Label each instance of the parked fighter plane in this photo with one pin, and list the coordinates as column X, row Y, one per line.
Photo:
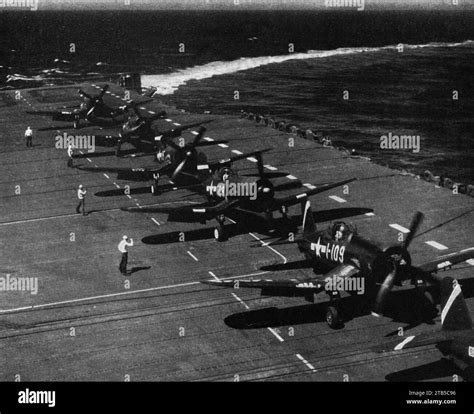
column 456, row 338
column 140, row 132
column 92, row 109
column 351, row 259
column 221, row 187
column 169, row 162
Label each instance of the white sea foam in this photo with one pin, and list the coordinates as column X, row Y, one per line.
column 167, row 84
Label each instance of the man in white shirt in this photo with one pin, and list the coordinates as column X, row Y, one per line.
column 81, row 195
column 70, row 153
column 124, row 243
column 29, row 137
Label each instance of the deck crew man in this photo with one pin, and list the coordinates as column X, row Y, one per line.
column 81, row 195
column 29, row 137
column 70, row 154
column 124, row 243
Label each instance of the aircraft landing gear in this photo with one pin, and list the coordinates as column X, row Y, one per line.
column 219, row 230
column 154, row 187
column 333, row 317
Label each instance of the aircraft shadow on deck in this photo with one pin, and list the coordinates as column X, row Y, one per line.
column 431, row 371
column 137, row 269
column 407, row 306
column 249, row 222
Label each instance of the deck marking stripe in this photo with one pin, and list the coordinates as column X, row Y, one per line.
column 436, row 245
column 214, row 276
column 338, row 199
column 237, row 152
column 270, row 167
column 403, row 343
column 310, row 186
column 305, row 362
column 454, row 294
column 192, row 255
column 155, row 221
column 240, row 300
column 285, row 260
column 399, row 228
column 106, row 176
column 252, row 159
column 223, row 146
column 291, row 177
column 275, row 333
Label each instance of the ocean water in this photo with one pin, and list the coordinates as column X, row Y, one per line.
column 197, row 60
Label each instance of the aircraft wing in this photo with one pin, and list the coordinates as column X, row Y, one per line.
column 122, row 170
column 446, row 261
column 314, row 283
column 213, row 166
column 413, row 341
column 47, row 113
column 106, row 140
column 296, row 198
column 198, row 212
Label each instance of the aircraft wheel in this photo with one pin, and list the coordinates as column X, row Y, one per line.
column 332, row 317
column 219, row 233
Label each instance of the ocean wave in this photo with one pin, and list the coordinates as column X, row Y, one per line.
column 167, row 84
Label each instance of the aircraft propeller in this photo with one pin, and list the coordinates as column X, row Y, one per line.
column 391, row 261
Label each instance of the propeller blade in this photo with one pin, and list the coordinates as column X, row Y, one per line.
column 90, row 111
column 179, row 168
column 199, row 136
column 82, row 93
column 384, row 290
column 415, row 223
column 261, row 170
column 102, row 92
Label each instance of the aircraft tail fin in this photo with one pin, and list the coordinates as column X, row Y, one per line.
column 309, row 227
column 454, row 312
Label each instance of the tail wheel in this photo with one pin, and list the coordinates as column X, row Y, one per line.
column 332, row 317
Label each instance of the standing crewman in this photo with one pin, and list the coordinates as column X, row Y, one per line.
column 124, row 243
column 81, row 195
column 70, row 153
column 29, row 137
